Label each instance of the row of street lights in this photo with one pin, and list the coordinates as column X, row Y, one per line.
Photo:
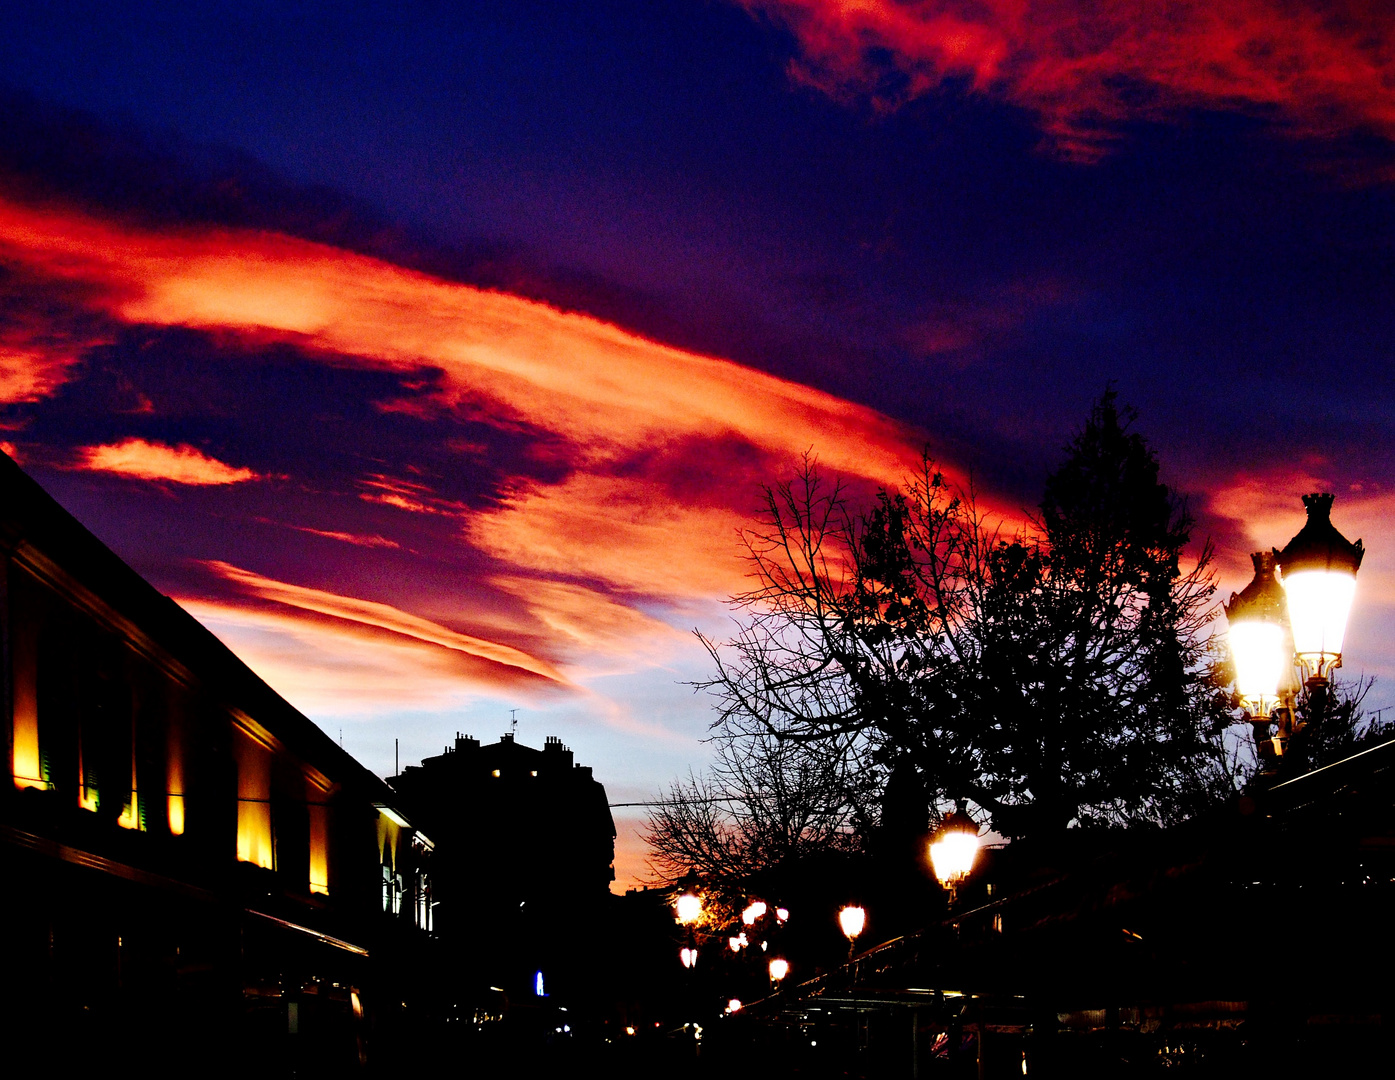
column 1276, row 623
column 953, row 849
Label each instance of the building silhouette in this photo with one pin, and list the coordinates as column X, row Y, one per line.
column 193, row 871
column 523, row 862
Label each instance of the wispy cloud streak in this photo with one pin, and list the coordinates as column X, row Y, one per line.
column 383, row 617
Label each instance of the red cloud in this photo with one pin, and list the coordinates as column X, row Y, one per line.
column 379, row 616
column 688, row 433
column 161, row 463
column 608, row 392
column 1085, row 67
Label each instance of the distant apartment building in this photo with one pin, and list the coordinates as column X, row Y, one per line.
column 190, row 865
column 524, row 858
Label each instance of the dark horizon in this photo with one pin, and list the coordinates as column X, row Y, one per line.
column 433, row 358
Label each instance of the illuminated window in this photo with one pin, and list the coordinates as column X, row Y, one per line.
column 26, row 765
column 174, row 770
column 496, row 772
column 423, row 904
column 253, row 800
column 319, row 842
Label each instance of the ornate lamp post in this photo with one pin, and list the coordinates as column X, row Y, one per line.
column 1303, row 622
column 953, row 849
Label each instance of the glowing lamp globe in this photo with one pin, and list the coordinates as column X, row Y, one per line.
column 689, row 908
column 954, row 848
column 779, row 969
column 753, row 911
column 1318, row 571
column 1258, row 638
column 852, row 920
column 689, row 957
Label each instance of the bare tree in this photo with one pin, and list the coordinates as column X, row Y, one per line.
column 763, row 804
column 1055, row 677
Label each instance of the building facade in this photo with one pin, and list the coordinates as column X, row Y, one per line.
column 524, row 863
column 193, row 868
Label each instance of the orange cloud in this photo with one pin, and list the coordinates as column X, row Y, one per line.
column 582, row 620
column 608, row 392
column 380, row 616
column 1085, row 67
column 631, row 533
column 330, row 667
column 406, row 495
column 161, row 463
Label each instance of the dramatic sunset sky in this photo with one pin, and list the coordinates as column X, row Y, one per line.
column 433, row 354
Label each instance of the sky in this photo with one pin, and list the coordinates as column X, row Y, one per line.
column 434, row 356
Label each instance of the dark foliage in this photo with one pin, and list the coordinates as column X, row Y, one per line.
column 1055, row 677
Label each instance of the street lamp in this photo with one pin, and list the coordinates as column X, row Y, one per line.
column 953, row 848
column 851, row 920
column 754, row 910
column 689, row 957
column 1318, row 570
column 1302, row 622
column 688, row 908
column 1258, row 637
column 779, row 968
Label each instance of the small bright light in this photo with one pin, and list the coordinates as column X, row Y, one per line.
column 779, row 968
column 734, row 1005
column 953, row 856
column 629, row 1030
column 782, row 914
column 689, row 957
column 689, row 908
column 538, row 985
column 852, row 920
column 753, row 912
column 735, row 943
column 764, row 945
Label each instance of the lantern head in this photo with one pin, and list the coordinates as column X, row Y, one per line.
column 1318, row 570
column 954, row 847
column 1259, row 640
